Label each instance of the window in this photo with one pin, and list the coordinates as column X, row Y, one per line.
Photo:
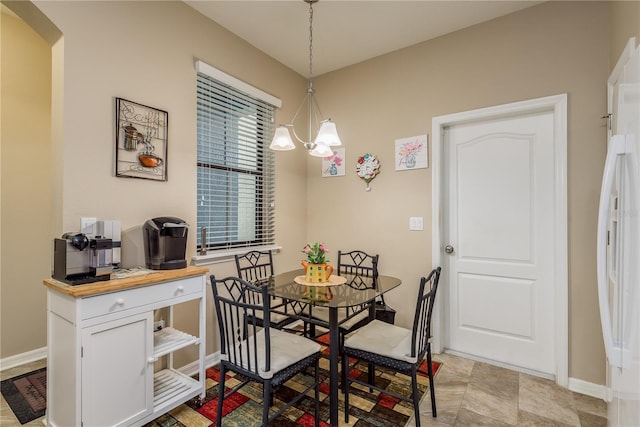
column 235, row 167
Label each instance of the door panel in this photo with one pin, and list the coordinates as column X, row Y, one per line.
column 499, row 208
column 486, row 232
column 513, row 299
column 117, row 378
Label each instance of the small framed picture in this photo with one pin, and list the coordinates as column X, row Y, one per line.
column 412, row 153
column 334, row 164
column 141, row 141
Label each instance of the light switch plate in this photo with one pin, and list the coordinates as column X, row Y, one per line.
column 416, row 223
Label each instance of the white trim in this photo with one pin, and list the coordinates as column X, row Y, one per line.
column 193, row 368
column 557, row 104
column 587, row 388
column 216, row 257
column 211, row 71
column 23, row 358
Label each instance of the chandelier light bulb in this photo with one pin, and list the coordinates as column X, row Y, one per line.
column 282, row 140
column 321, row 150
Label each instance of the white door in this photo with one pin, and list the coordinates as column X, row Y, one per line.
column 499, row 223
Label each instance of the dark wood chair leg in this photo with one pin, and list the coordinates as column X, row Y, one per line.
column 416, row 396
column 220, row 396
column 266, row 399
column 317, row 395
column 431, row 384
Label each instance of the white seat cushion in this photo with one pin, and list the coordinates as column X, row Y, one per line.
column 322, row 313
column 384, row 339
column 286, row 349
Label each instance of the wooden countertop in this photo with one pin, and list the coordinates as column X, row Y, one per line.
column 106, row 286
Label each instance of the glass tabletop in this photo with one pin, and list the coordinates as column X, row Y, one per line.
column 357, row 289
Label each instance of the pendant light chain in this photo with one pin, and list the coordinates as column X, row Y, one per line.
column 310, row 40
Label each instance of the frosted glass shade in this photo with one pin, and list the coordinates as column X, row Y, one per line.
column 328, row 134
column 282, row 140
column 321, row 150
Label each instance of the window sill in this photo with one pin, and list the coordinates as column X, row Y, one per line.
column 216, row 257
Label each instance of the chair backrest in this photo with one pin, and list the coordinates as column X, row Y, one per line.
column 421, row 334
column 358, row 264
column 254, row 265
column 243, row 337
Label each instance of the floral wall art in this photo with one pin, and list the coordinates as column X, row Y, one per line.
column 411, row 153
column 334, row 164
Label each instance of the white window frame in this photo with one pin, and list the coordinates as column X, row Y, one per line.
column 223, row 253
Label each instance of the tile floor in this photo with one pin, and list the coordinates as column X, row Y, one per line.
column 468, row 393
column 472, row 393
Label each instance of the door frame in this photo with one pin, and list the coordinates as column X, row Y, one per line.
column 558, row 105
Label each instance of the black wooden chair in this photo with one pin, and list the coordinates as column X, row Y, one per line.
column 397, row 348
column 258, row 352
column 257, row 267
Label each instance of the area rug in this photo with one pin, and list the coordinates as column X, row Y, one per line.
column 26, row 395
column 244, row 408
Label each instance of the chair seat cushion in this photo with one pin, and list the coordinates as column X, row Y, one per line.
column 322, row 313
column 286, row 349
column 384, row 339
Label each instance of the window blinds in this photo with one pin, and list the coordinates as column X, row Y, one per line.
column 235, row 167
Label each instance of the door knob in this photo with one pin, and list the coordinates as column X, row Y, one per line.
column 448, row 249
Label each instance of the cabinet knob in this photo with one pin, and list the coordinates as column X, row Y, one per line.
column 120, row 301
column 180, row 288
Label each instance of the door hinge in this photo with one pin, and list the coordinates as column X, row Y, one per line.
column 609, row 118
column 81, row 351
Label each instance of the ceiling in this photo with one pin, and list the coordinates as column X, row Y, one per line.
column 346, row 32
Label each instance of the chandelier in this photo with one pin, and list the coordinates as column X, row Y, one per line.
column 327, row 136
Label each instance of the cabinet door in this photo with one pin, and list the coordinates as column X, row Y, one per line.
column 117, row 373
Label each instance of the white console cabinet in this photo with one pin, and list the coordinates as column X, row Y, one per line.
column 102, row 349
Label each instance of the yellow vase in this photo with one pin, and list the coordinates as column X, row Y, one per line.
column 317, row 273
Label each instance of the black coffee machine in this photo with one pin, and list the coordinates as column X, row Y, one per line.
column 165, row 243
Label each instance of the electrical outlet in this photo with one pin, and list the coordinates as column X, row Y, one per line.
column 158, row 325
column 416, row 223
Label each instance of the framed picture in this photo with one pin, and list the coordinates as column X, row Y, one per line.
column 141, row 141
column 412, row 153
column 334, row 164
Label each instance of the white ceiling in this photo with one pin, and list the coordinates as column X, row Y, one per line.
column 346, row 32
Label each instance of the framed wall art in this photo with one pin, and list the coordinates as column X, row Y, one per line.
column 334, row 164
column 411, row 153
column 141, row 141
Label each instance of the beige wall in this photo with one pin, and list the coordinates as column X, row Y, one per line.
column 123, row 49
column 625, row 23
column 25, row 173
column 545, row 50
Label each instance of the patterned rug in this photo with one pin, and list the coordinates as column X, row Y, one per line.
column 244, row 408
column 26, row 395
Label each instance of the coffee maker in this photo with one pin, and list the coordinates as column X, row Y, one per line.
column 165, row 243
column 78, row 259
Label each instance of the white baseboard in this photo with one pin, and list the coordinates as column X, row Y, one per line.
column 23, row 358
column 209, row 361
column 587, row 388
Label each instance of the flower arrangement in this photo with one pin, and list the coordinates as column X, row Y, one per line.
column 316, row 253
column 409, row 149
